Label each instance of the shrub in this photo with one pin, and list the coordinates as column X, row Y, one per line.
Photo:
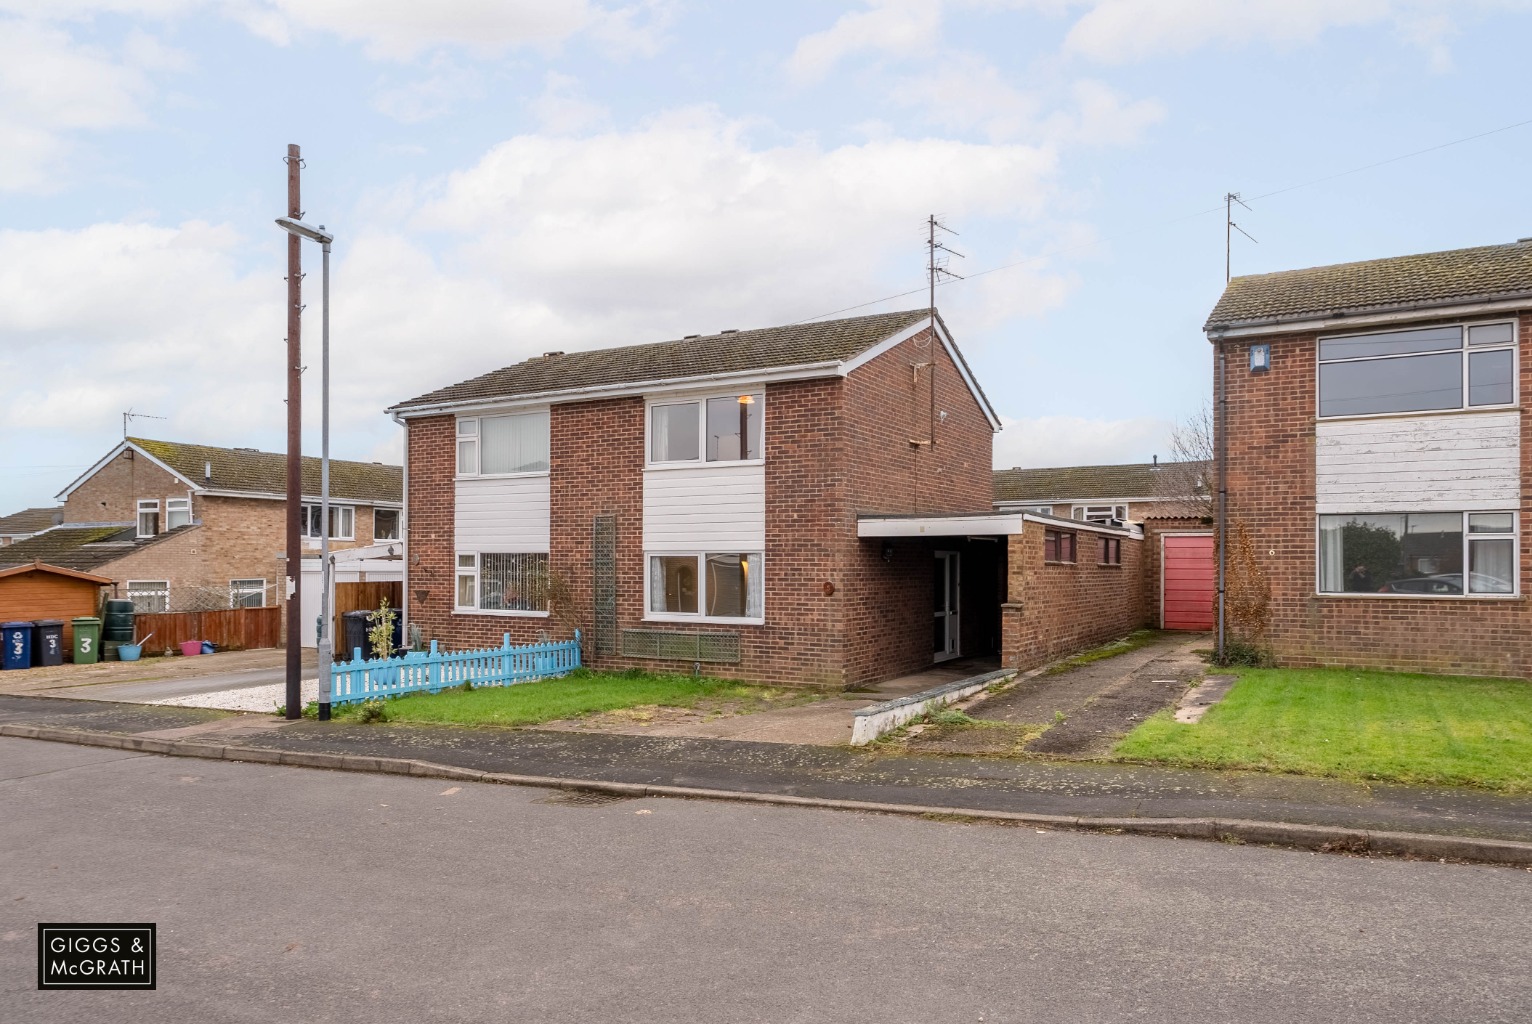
column 1243, row 653
column 370, row 711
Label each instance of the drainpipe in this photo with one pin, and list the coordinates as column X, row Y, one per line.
column 1223, row 486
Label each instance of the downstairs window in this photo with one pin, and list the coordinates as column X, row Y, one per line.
column 1418, row 553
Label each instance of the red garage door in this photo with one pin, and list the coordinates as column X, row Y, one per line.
column 1186, row 582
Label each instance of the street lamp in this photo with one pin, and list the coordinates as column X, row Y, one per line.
column 324, row 641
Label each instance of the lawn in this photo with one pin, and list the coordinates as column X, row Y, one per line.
column 582, row 692
column 1360, row 725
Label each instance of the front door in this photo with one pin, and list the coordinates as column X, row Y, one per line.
column 945, row 594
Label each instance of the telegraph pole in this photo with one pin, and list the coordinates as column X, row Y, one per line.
column 294, row 443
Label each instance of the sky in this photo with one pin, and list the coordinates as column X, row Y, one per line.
column 509, row 177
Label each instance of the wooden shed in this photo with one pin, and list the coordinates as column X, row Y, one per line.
column 42, row 591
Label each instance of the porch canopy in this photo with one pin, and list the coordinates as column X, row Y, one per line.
column 981, row 524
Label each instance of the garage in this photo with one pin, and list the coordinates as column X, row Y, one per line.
column 37, row 590
column 1186, row 581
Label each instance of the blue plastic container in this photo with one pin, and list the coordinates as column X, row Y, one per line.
column 129, row 652
column 17, row 638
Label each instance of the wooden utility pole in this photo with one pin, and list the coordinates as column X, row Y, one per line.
column 294, row 444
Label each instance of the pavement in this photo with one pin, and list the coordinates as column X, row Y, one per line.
column 157, row 679
column 1132, row 797
column 291, row 894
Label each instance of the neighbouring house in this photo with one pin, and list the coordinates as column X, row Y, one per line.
column 1378, row 459
column 26, row 523
column 188, row 527
column 36, row 590
column 809, row 503
column 1172, row 501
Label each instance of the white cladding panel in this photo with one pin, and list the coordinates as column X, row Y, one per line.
column 1454, row 463
column 508, row 514
column 721, row 507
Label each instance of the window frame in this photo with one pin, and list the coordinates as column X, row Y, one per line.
column 1514, row 536
column 149, row 505
column 1057, row 537
column 1113, row 507
column 476, row 438
column 1111, row 551
column 236, row 591
column 700, row 615
column 398, row 514
column 173, row 506
column 131, row 588
column 461, row 572
column 700, row 399
column 315, row 509
column 1465, row 350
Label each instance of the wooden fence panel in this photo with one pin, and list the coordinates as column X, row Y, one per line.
column 362, row 597
column 233, row 629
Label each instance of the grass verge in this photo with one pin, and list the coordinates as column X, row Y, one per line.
column 1132, row 642
column 1345, row 723
column 582, row 692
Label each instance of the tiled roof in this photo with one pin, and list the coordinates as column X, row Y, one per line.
column 79, row 547
column 1484, row 273
column 28, row 520
column 1079, row 483
column 253, row 472
column 732, row 352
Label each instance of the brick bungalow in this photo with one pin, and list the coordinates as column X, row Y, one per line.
column 809, row 503
column 1378, row 458
column 189, row 527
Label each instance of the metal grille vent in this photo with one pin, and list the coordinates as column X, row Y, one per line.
column 604, row 577
column 672, row 645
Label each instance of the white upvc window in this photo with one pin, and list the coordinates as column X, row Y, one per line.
column 149, row 596
column 148, row 517
column 342, row 521
column 516, row 444
column 1419, row 554
column 385, row 524
column 718, row 428
column 1100, row 513
column 177, row 513
column 503, row 583
column 247, row 593
column 1426, row 369
column 706, row 586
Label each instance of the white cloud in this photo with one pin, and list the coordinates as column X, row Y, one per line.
column 890, row 26
column 1079, row 441
column 444, row 86
column 561, row 110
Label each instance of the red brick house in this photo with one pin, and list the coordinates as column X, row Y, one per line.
column 808, row 503
column 1378, row 456
column 187, row 527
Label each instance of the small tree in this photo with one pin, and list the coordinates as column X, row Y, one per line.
column 381, row 636
column 1185, row 482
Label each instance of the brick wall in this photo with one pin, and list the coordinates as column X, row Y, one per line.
column 111, row 494
column 1271, row 432
column 1055, row 609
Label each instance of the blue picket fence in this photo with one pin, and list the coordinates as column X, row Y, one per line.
column 431, row 672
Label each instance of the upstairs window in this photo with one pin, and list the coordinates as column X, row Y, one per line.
column 148, row 517
column 503, row 445
column 177, row 513
column 385, row 524
column 723, row 429
column 342, row 521
column 1422, row 370
column 1101, row 513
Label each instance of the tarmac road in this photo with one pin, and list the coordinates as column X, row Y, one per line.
column 288, row 894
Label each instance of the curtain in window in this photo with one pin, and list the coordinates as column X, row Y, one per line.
column 1332, row 561
column 673, row 433
column 656, row 585
column 1492, row 564
column 514, row 444
column 755, row 586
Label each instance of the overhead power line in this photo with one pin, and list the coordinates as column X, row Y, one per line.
column 1176, row 220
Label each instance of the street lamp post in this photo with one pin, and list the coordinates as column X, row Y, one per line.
column 324, row 641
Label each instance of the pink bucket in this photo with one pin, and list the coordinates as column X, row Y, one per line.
column 190, row 647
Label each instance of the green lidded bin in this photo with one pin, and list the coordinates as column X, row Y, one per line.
column 87, row 640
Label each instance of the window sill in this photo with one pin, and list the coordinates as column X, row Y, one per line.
column 1046, row 562
column 503, row 613
column 699, row 464
column 1472, row 410
column 1420, row 597
column 1109, row 565
column 712, row 620
column 501, row 476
